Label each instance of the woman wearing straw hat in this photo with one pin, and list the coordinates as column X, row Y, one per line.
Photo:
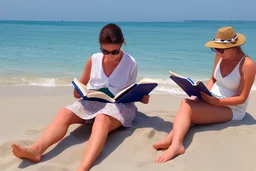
column 232, row 78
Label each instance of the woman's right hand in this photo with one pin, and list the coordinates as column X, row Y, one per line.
column 145, row 99
column 76, row 94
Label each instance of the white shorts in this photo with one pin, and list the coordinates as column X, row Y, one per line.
column 237, row 113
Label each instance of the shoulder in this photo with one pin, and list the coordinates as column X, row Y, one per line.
column 96, row 58
column 248, row 63
column 96, row 55
column 130, row 58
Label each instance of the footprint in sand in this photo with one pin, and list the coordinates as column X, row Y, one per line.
column 151, row 133
column 51, row 168
column 6, row 148
column 7, row 163
column 144, row 163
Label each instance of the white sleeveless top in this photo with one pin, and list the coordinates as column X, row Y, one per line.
column 228, row 86
column 124, row 74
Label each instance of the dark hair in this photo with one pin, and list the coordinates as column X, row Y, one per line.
column 111, row 34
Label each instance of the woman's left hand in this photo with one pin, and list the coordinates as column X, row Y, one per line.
column 145, row 99
column 210, row 99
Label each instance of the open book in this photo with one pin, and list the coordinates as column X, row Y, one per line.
column 189, row 86
column 132, row 93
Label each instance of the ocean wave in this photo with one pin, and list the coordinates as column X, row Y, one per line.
column 165, row 86
column 34, row 81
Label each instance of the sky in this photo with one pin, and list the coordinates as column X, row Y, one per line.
column 130, row 10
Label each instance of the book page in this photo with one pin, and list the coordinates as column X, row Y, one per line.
column 100, row 95
column 197, row 82
column 123, row 91
column 81, row 86
column 176, row 75
column 147, row 81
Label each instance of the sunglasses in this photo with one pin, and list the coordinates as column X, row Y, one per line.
column 218, row 50
column 106, row 52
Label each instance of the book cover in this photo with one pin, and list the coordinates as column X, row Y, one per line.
column 136, row 93
column 189, row 86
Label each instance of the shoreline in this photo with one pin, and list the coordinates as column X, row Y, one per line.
column 36, row 90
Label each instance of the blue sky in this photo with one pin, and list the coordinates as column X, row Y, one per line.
column 129, row 10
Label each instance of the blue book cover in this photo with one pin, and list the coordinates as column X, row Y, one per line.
column 133, row 93
column 136, row 93
column 189, row 86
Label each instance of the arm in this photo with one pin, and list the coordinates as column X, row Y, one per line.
column 212, row 79
column 247, row 79
column 85, row 76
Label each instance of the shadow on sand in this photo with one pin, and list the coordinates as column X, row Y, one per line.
column 82, row 133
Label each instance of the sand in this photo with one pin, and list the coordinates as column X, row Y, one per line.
column 26, row 111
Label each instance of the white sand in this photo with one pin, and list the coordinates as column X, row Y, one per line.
column 26, row 112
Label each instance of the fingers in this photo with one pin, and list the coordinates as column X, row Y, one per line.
column 145, row 99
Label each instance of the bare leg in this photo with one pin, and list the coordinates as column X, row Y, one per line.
column 167, row 141
column 53, row 133
column 103, row 124
column 196, row 112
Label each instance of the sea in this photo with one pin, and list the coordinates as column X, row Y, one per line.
column 52, row 53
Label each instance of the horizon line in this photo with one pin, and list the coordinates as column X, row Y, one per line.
column 92, row 21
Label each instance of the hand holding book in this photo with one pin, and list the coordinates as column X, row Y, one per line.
column 145, row 99
column 210, row 99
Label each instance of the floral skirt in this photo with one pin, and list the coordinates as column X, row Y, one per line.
column 87, row 110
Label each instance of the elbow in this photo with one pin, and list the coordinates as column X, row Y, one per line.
column 242, row 100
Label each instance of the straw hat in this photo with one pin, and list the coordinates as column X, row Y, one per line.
column 226, row 37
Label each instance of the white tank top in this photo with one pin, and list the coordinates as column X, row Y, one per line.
column 228, row 86
column 124, row 74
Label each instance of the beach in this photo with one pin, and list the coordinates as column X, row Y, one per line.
column 27, row 110
column 39, row 59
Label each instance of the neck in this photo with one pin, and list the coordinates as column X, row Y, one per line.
column 114, row 59
column 239, row 55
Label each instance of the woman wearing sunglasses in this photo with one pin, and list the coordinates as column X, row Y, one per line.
column 109, row 71
column 230, row 84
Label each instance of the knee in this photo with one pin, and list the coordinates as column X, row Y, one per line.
column 185, row 106
column 65, row 116
column 102, row 120
column 185, row 103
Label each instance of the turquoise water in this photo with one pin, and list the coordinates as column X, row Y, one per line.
column 53, row 53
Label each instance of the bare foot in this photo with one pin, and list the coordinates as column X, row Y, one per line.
column 26, row 153
column 174, row 150
column 164, row 144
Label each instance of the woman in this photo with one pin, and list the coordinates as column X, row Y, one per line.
column 231, row 81
column 110, row 72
